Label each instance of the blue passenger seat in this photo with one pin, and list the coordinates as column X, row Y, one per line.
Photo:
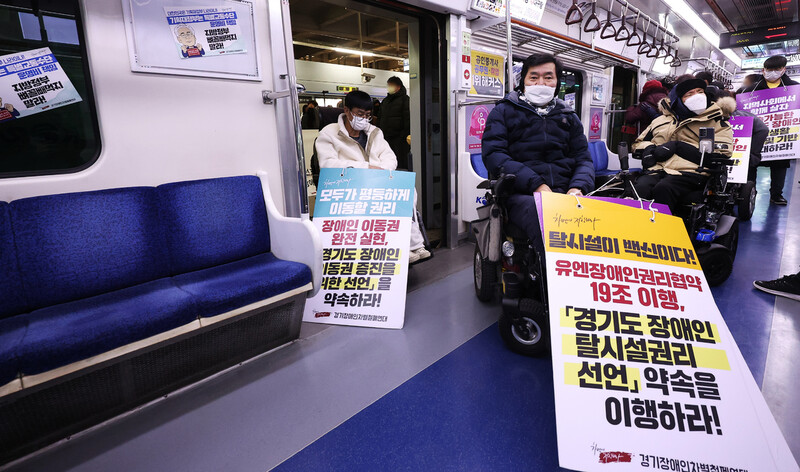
column 478, row 165
column 89, row 272
column 600, row 158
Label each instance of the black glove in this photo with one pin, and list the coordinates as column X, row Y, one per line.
column 665, row 151
column 688, row 152
column 646, row 155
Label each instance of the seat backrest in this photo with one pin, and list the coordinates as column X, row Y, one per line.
column 599, row 155
column 12, row 297
column 478, row 166
column 214, row 221
column 77, row 245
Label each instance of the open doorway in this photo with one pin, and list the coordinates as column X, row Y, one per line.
column 342, row 45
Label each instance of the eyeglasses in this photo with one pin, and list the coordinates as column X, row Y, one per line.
column 362, row 114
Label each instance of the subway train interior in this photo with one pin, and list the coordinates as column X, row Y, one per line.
column 205, row 216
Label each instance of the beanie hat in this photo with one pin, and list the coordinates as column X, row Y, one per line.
column 652, row 84
column 690, row 84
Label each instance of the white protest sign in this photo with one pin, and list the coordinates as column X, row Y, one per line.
column 742, row 138
column 32, row 82
column 780, row 109
column 205, row 31
column 364, row 219
column 645, row 371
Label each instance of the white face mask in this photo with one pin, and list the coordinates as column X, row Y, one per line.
column 539, row 94
column 359, row 124
column 773, row 75
column 697, row 103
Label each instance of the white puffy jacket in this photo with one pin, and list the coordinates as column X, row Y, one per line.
column 335, row 148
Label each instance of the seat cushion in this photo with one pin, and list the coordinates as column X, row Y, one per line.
column 599, row 155
column 224, row 288
column 478, row 166
column 69, row 332
column 12, row 330
column 215, row 221
column 12, row 298
column 78, row 245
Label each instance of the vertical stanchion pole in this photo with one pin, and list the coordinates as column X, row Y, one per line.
column 509, row 56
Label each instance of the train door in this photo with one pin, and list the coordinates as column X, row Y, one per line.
column 342, row 45
column 624, row 91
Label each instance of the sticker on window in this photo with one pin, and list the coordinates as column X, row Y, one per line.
column 205, row 31
column 32, row 82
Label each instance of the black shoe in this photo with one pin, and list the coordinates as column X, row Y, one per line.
column 787, row 286
column 779, row 200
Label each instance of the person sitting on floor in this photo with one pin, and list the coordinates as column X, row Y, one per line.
column 669, row 147
column 353, row 142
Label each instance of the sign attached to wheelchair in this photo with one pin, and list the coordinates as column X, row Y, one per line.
column 742, row 137
column 364, row 219
column 645, row 370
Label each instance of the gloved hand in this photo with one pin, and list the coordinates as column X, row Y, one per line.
column 665, row 151
column 688, row 152
column 647, row 157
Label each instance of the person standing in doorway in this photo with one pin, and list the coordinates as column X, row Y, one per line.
column 310, row 118
column 395, row 121
column 775, row 76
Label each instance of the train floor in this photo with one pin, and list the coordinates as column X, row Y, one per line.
column 441, row 394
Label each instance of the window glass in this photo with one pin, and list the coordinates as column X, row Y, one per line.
column 48, row 123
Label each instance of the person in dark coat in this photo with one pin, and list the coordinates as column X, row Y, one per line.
column 395, row 121
column 638, row 117
column 310, row 118
column 537, row 137
column 774, row 76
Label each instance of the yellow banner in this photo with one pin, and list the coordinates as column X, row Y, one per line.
column 599, row 228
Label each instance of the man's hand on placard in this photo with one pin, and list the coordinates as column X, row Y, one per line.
column 543, row 188
column 373, row 167
column 575, row 191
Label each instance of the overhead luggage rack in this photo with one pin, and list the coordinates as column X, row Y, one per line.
column 528, row 39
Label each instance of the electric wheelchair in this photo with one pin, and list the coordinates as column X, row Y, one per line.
column 711, row 219
column 507, row 261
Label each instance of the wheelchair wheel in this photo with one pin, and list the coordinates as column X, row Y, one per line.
column 484, row 276
column 530, row 336
column 731, row 239
column 747, row 201
column 717, row 264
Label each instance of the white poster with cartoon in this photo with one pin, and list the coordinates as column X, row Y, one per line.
column 32, row 82
column 205, row 31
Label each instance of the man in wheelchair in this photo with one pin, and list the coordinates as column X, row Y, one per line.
column 669, row 147
column 533, row 142
column 538, row 138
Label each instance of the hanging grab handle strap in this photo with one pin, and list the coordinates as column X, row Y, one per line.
column 589, row 27
column 608, row 30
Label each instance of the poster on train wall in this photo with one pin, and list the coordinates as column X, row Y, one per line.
column 780, row 110
column 595, row 123
column 742, row 137
column 364, row 219
column 476, row 124
column 646, row 374
column 32, row 82
column 205, row 31
column 488, row 74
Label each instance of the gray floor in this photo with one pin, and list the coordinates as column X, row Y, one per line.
column 248, row 420
column 781, row 381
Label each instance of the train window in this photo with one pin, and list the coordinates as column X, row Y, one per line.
column 570, row 89
column 48, row 121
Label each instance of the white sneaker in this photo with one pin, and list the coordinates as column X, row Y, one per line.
column 413, row 257
column 422, row 253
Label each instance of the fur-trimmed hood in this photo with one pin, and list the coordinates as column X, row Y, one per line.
column 727, row 105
